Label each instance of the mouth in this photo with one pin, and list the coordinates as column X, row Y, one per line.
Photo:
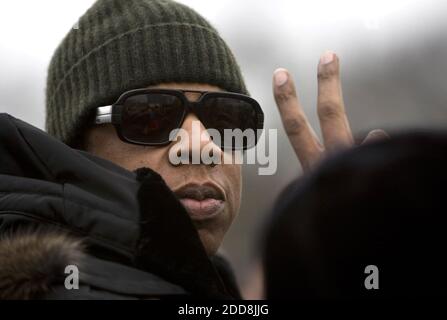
column 202, row 202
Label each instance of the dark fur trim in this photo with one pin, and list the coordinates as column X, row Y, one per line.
column 169, row 244
column 30, row 262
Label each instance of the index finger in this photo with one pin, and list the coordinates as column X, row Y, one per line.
column 301, row 135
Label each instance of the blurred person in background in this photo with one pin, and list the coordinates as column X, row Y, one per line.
column 104, row 195
column 367, row 224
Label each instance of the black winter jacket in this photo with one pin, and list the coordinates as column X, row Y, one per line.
column 126, row 232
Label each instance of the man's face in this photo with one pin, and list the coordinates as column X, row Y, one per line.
column 210, row 193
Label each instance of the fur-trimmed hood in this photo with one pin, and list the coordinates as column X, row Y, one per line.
column 97, row 212
column 31, row 262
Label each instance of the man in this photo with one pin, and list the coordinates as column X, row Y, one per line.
column 163, row 58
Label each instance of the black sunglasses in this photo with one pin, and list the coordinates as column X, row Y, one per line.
column 148, row 116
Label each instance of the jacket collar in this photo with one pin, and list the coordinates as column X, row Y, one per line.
column 122, row 216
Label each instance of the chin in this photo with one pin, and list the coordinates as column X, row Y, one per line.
column 210, row 241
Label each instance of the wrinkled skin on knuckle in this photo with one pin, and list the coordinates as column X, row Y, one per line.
column 284, row 95
column 327, row 73
column 329, row 110
column 294, row 126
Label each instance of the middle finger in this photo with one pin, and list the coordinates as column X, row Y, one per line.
column 331, row 111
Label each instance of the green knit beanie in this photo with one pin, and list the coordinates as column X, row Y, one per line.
column 120, row 45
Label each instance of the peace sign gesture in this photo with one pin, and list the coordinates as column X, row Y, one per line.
column 334, row 123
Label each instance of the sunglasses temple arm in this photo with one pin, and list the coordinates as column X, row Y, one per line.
column 103, row 115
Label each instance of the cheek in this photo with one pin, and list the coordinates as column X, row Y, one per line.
column 154, row 158
column 233, row 174
column 103, row 142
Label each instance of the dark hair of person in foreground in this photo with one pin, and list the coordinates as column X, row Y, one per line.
column 382, row 204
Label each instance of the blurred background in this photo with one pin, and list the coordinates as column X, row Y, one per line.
column 392, row 56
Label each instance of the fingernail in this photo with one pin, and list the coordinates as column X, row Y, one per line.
column 327, row 57
column 281, row 77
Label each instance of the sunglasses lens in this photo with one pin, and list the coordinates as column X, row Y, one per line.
column 235, row 119
column 150, row 118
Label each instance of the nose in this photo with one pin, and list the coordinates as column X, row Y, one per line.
column 196, row 144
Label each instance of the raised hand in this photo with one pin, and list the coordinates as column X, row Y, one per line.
column 334, row 123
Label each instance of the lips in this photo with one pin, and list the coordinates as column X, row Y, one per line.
column 201, row 201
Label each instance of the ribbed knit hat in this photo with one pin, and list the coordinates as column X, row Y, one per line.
column 120, row 45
